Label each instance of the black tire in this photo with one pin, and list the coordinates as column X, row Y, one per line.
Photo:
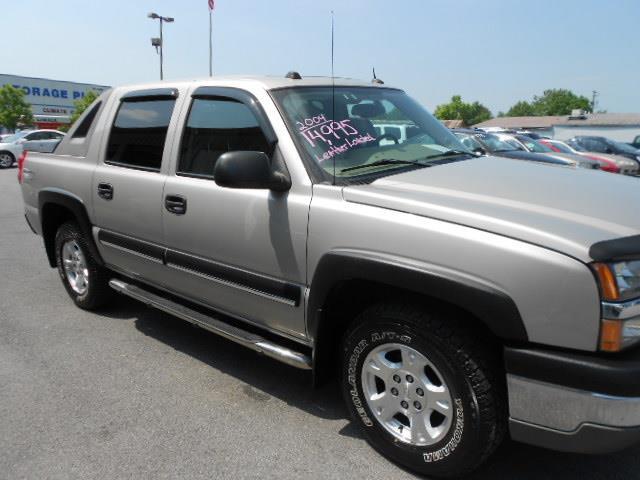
column 469, row 367
column 6, row 164
column 98, row 292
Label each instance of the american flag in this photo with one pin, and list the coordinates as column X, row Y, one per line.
column 211, row 4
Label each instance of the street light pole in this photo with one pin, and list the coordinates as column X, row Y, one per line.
column 161, row 76
column 158, row 42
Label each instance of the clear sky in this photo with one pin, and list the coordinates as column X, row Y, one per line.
column 493, row 51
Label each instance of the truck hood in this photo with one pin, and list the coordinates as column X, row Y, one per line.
column 563, row 209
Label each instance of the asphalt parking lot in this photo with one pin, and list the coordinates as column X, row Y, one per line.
column 130, row 392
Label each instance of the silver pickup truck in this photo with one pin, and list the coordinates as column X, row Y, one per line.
column 458, row 299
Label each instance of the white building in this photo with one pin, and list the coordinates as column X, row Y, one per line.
column 623, row 127
column 51, row 100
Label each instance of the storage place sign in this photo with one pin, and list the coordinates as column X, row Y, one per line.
column 50, row 97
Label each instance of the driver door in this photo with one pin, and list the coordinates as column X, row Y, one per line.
column 240, row 251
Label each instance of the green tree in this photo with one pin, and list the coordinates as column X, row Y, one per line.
column 80, row 106
column 559, row 101
column 555, row 101
column 14, row 110
column 456, row 109
column 521, row 109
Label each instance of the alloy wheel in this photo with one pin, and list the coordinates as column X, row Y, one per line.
column 407, row 394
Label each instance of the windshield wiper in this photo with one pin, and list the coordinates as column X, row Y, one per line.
column 384, row 161
column 450, row 153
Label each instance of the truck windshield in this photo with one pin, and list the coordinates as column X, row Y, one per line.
column 365, row 130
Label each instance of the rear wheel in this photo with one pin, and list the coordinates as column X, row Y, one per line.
column 84, row 279
column 423, row 388
column 6, row 159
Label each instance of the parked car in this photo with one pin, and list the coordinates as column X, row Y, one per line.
column 457, row 296
column 625, row 165
column 535, row 146
column 43, row 140
column 636, row 142
column 11, row 148
column 33, row 140
column 488, row 143
column 605, row 145
column 394, row 132
column 606, row 164
column 530, row 134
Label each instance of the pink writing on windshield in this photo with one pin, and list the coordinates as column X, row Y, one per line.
column 348, row 143
column 333, row 136
column 319, row 129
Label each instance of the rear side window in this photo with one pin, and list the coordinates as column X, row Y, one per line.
column 216, row 126
column 139, row 132
column 85, row 125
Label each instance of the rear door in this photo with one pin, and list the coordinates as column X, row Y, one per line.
column 240, row 251
column 128, row 182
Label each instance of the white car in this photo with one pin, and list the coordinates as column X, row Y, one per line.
column 32, row 140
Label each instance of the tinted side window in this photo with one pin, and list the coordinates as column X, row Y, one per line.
column 139, row 132
column 596, row 145
column 35, row 136
column 84, row 127
column 216, row 126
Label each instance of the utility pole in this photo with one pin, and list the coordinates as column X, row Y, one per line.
column 158, row 42
column 593, row 101
column 212, row 5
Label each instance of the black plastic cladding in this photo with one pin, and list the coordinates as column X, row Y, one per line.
column 494, row 308
column 624, row 248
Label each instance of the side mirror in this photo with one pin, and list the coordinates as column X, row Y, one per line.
column 247, row 169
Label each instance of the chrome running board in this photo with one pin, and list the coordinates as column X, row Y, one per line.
column 235, row 334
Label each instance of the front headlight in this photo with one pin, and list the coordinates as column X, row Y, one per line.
column 620, row 290
column 627, row 278
column 619, row 281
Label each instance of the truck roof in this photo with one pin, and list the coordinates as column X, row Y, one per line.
column 267, row 82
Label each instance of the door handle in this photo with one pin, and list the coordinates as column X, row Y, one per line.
column 105, row 190
column 176, row 204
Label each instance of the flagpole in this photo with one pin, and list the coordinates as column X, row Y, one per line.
column 210, row 44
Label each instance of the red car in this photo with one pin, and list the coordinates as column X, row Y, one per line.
column 606, row 164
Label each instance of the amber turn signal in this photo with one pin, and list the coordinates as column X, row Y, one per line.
column 611, row 335
column 608, row 283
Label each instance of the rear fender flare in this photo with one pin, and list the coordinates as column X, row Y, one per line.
column 74, row 204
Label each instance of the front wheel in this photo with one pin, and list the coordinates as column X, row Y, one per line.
column 423, row 388
column 6, row 159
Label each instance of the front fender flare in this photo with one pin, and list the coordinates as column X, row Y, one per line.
column 490, row 305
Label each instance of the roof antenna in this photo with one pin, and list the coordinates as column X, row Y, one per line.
column 333, row 96
column 376, row 80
